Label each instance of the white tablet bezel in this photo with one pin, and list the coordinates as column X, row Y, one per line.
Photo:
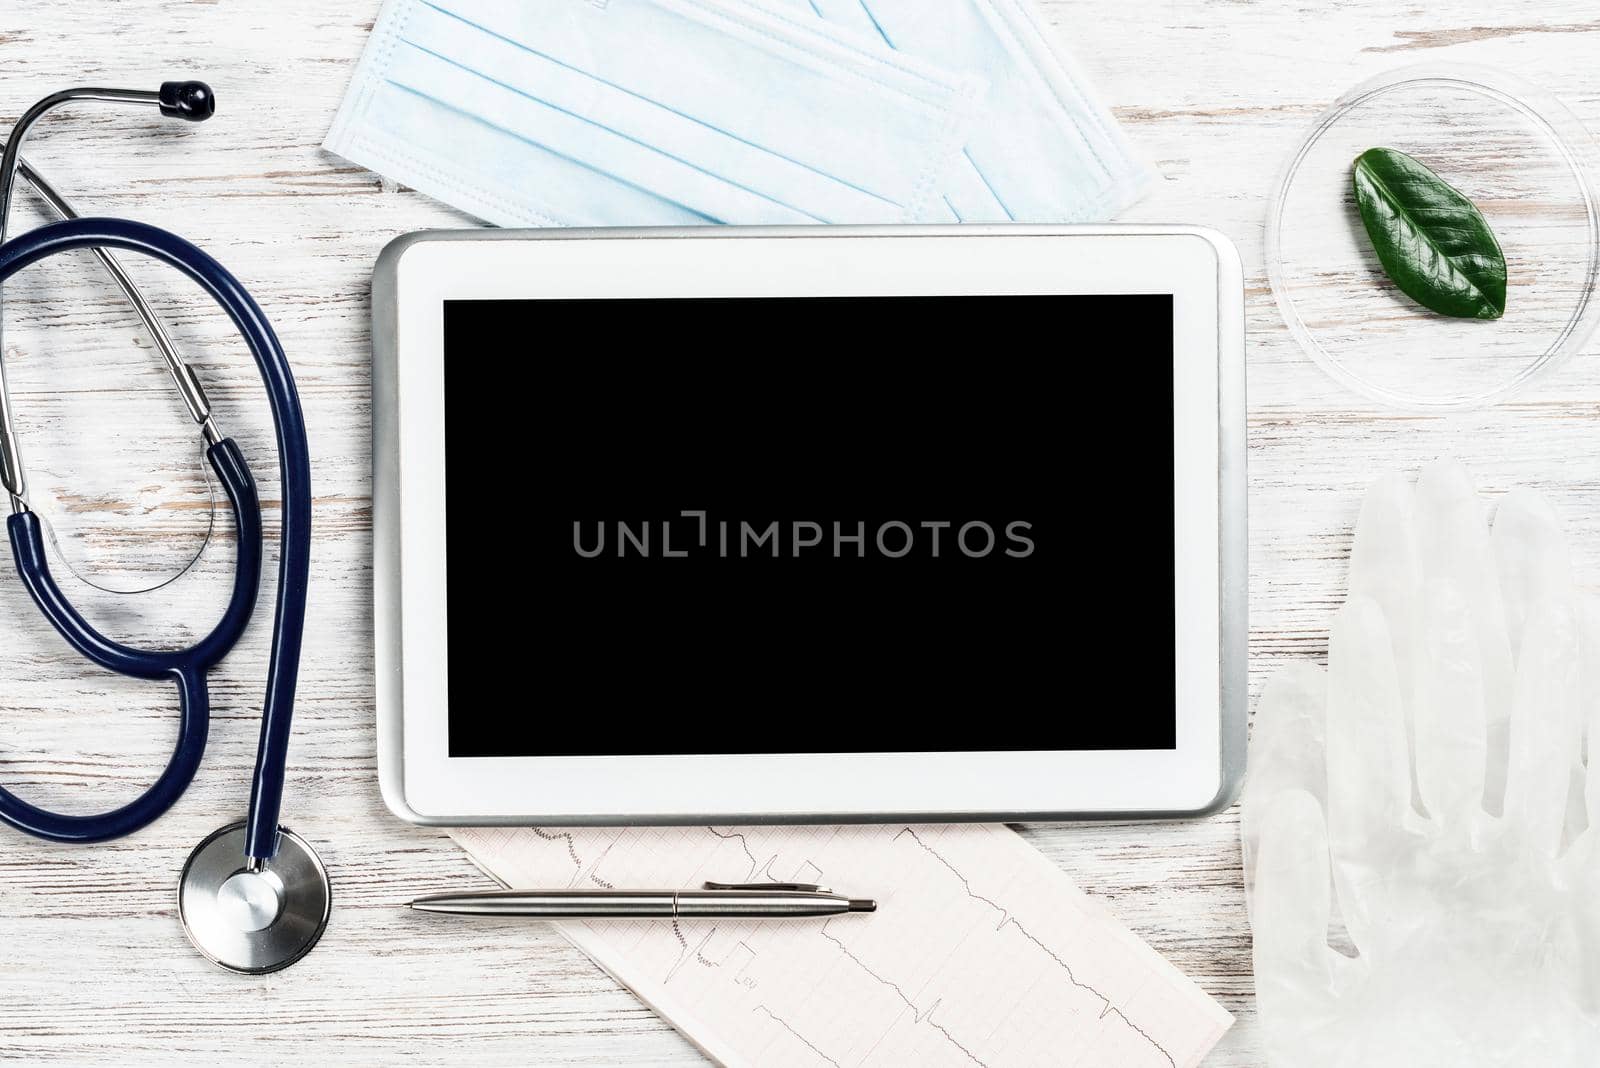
column 423, row 783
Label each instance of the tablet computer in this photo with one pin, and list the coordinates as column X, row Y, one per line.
column 810, row 525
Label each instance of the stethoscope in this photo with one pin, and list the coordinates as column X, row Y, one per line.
column 253, row 896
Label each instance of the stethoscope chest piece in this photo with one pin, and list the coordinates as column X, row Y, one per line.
column 253, row 921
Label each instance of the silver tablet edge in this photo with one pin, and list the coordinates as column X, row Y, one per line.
column 386, row 581
column 1232, row 542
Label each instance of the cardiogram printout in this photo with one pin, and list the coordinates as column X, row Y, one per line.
column 981, row 952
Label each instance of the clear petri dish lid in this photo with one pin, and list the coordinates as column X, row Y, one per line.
column 1527, row 164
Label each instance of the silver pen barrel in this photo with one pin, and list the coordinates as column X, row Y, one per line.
column 774, row 903
column 601, row 904
column 551, row 904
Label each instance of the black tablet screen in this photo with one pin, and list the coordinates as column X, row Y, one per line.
column 809, row 525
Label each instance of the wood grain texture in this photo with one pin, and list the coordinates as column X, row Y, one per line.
column 93, row 966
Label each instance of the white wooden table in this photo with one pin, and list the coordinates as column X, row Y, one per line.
column 93, row 965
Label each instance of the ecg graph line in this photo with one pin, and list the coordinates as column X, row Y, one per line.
column 696, row 953
column 572, row 849
column 744, row 844
column 1107, row 1007
column 917, row 1015
column 755, row 873
column 758, row 869
column 781, row 1022
column 683, row 951
column 594, row 869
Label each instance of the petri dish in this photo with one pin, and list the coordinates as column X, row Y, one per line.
column 1527, row 163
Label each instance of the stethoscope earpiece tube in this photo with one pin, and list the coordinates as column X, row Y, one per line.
column 188, row 666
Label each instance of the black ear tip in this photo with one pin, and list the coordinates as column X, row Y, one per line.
column 188, row 100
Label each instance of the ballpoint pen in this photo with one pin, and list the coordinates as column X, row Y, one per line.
column 750, row 900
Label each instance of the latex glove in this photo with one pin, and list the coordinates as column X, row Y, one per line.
column 1428, row 789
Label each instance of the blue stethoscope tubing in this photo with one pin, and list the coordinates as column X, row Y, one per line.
column 188, row 667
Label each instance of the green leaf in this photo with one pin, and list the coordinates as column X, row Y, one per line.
column 1432, row 241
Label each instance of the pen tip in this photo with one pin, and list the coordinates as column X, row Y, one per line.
column 863, row 905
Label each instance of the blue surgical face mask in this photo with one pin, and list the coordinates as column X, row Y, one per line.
column 1043, row 149
column 615, row 112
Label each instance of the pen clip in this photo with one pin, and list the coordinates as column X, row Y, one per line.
column 808, row 888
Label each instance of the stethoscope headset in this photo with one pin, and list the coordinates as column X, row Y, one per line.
column 253, row 896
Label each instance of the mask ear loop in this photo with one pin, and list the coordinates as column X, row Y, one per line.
column 84, row 574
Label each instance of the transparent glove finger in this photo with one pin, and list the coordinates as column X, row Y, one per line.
column 1578, row 951
column 1453, row 548
column 1546, row 728
column 1384, row 567
column 1589, row 695
column 1535, row 566
column 1531, row 558
column 1294, row 965
column 1369, row 785
column 1450, row 719
column 1383, row 560
column 1286, row 753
